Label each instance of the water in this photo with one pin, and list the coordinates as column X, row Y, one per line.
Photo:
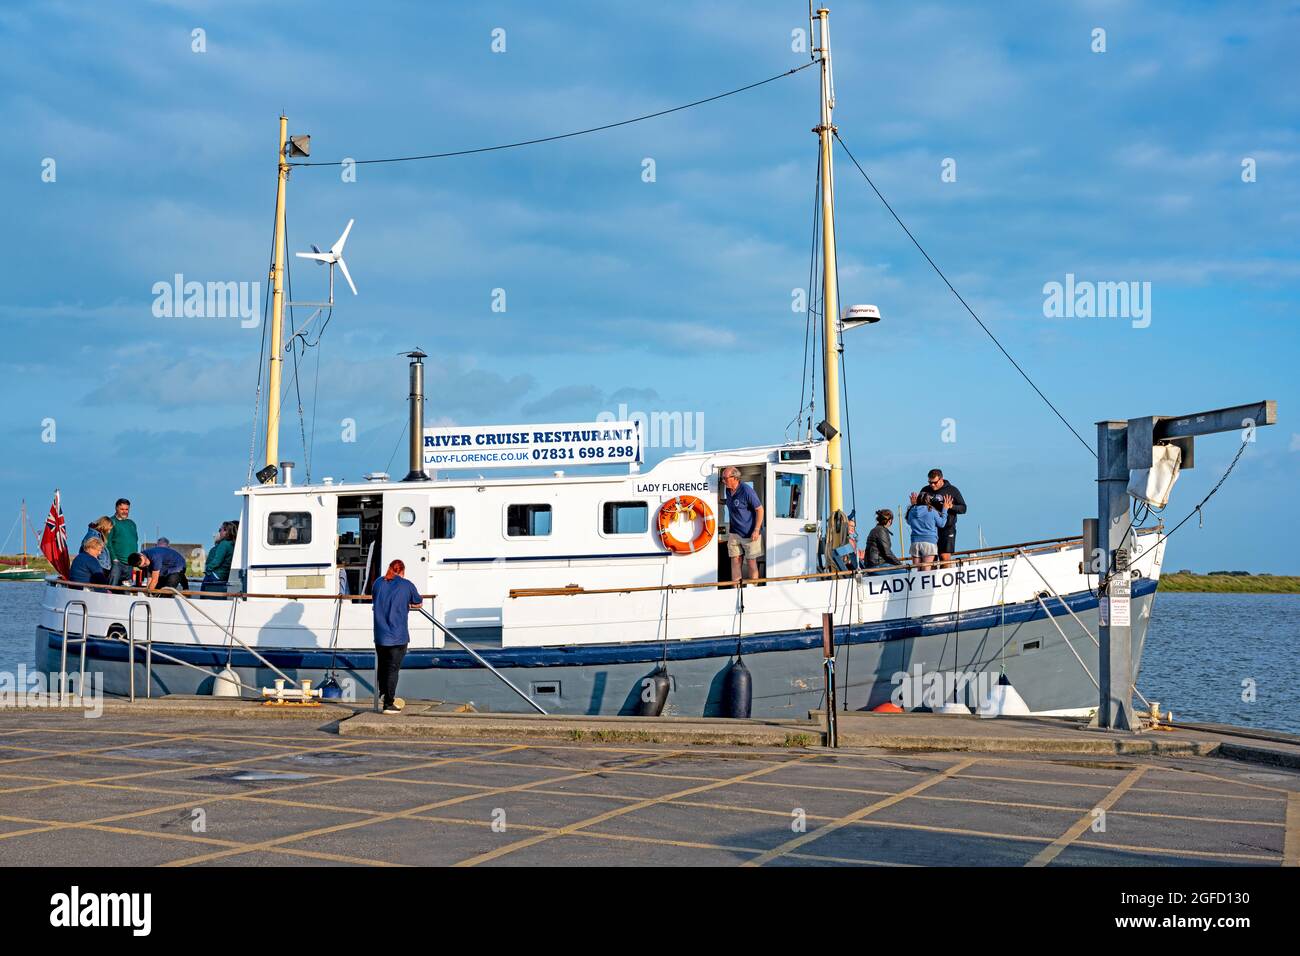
column 1199, row 651
column 1205, row 652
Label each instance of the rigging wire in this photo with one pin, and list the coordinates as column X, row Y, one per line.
column 261, row 365
column 839, row 350
column 291, row 346
column 1217, row 485
column 1145, row 511
column 952, row 289
column 559, row 136
column 804, row 380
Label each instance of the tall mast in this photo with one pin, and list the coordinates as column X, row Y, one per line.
column 24, row 519
column 277, row 306
column 830, row 279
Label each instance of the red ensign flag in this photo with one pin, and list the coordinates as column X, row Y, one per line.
column 54, row 542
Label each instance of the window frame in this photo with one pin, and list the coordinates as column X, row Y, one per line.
column 433, row 522
column 505, row 513
column 627, row 502
column 803, row 495
column 302, row 542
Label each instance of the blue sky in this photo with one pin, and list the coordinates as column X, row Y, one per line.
column 672, row 295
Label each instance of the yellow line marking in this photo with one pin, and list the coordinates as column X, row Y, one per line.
column 620, row 811
column 1053, row 849
column 213, row 798
column 854, row 861
column 859, row 814
column 411, row 812
column 1165, row 791
column 1291, row 844
column 1166, row 851
column 41, row 754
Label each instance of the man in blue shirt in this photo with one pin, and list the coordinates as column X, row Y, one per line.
column 86, row 568
column 745, row 523
column 394, row 598
column 164, row 566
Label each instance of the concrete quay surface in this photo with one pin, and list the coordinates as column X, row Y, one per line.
column 198, row 782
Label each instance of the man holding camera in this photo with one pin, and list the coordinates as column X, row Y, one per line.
column 940, row 488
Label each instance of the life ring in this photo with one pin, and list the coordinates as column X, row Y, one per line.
column 690, row 508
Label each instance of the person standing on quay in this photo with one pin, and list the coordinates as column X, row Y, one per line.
column 394, row 598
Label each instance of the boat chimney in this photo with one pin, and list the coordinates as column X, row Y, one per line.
column 286, row 472
column 417, row 417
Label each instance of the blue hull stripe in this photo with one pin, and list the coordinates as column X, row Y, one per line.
column 598, row 655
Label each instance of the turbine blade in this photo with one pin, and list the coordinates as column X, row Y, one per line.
column 337, row 248
column 344, row 266
column 321, row 257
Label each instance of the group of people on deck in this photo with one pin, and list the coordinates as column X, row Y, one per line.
column 931, row 520
column 110, row 554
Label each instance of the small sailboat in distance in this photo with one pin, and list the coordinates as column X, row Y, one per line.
column 23, row 571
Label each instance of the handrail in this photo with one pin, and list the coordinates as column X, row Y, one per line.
column 221, row 595
column 1049, row 544
column 478, row 657
column 195, row 667
column 229, row 633
column 148, row 646
column 63, row 650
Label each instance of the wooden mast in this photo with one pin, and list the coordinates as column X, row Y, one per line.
column 277, row 306
column 830, row 280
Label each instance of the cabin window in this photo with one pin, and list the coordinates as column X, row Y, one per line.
column 288, row 527
column 442, row 522
column 625, row 517
column 528, row 521
column 789, row 495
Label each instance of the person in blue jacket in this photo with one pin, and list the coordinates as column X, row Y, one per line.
column 925, row 518
column 86, row 568
column 394, row 598
column 163, row 566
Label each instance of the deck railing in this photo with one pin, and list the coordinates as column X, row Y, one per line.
column 220, row 595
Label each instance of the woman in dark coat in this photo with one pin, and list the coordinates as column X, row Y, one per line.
column 880, row 547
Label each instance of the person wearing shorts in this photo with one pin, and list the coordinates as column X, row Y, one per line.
column 745, row 527
column 925, row 519
column 936, row 484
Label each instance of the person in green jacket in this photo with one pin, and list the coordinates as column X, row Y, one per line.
column 123, row 541
column 216, row 572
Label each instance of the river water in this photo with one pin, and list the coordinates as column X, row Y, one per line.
column 1223, row 658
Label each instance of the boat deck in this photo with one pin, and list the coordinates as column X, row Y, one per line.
column 133, row 786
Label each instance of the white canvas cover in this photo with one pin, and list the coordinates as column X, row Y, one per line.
column 1153, row 485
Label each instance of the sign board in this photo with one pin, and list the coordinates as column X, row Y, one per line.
column 522, row 446
column 1114, row 609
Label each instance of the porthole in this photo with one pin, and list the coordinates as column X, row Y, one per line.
column 406, row 517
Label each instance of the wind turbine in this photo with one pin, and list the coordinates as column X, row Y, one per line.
column 332, row 258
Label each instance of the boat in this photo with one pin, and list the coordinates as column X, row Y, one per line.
column 600, row 588
column 23, row 571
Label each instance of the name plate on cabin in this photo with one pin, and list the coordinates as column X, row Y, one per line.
column 521, row 446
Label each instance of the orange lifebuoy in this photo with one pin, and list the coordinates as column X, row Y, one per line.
column 689, row 507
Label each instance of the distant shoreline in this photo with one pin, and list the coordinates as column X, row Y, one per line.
column 1231, row 583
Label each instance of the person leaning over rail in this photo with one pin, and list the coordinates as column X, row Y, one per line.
column 880, row 543
column 394, row 598
column 86, row 567
column 164, row 566
column 216, row 571
column 123, row 541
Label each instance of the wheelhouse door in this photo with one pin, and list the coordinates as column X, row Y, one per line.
column 789, row 542
column 406, row 538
